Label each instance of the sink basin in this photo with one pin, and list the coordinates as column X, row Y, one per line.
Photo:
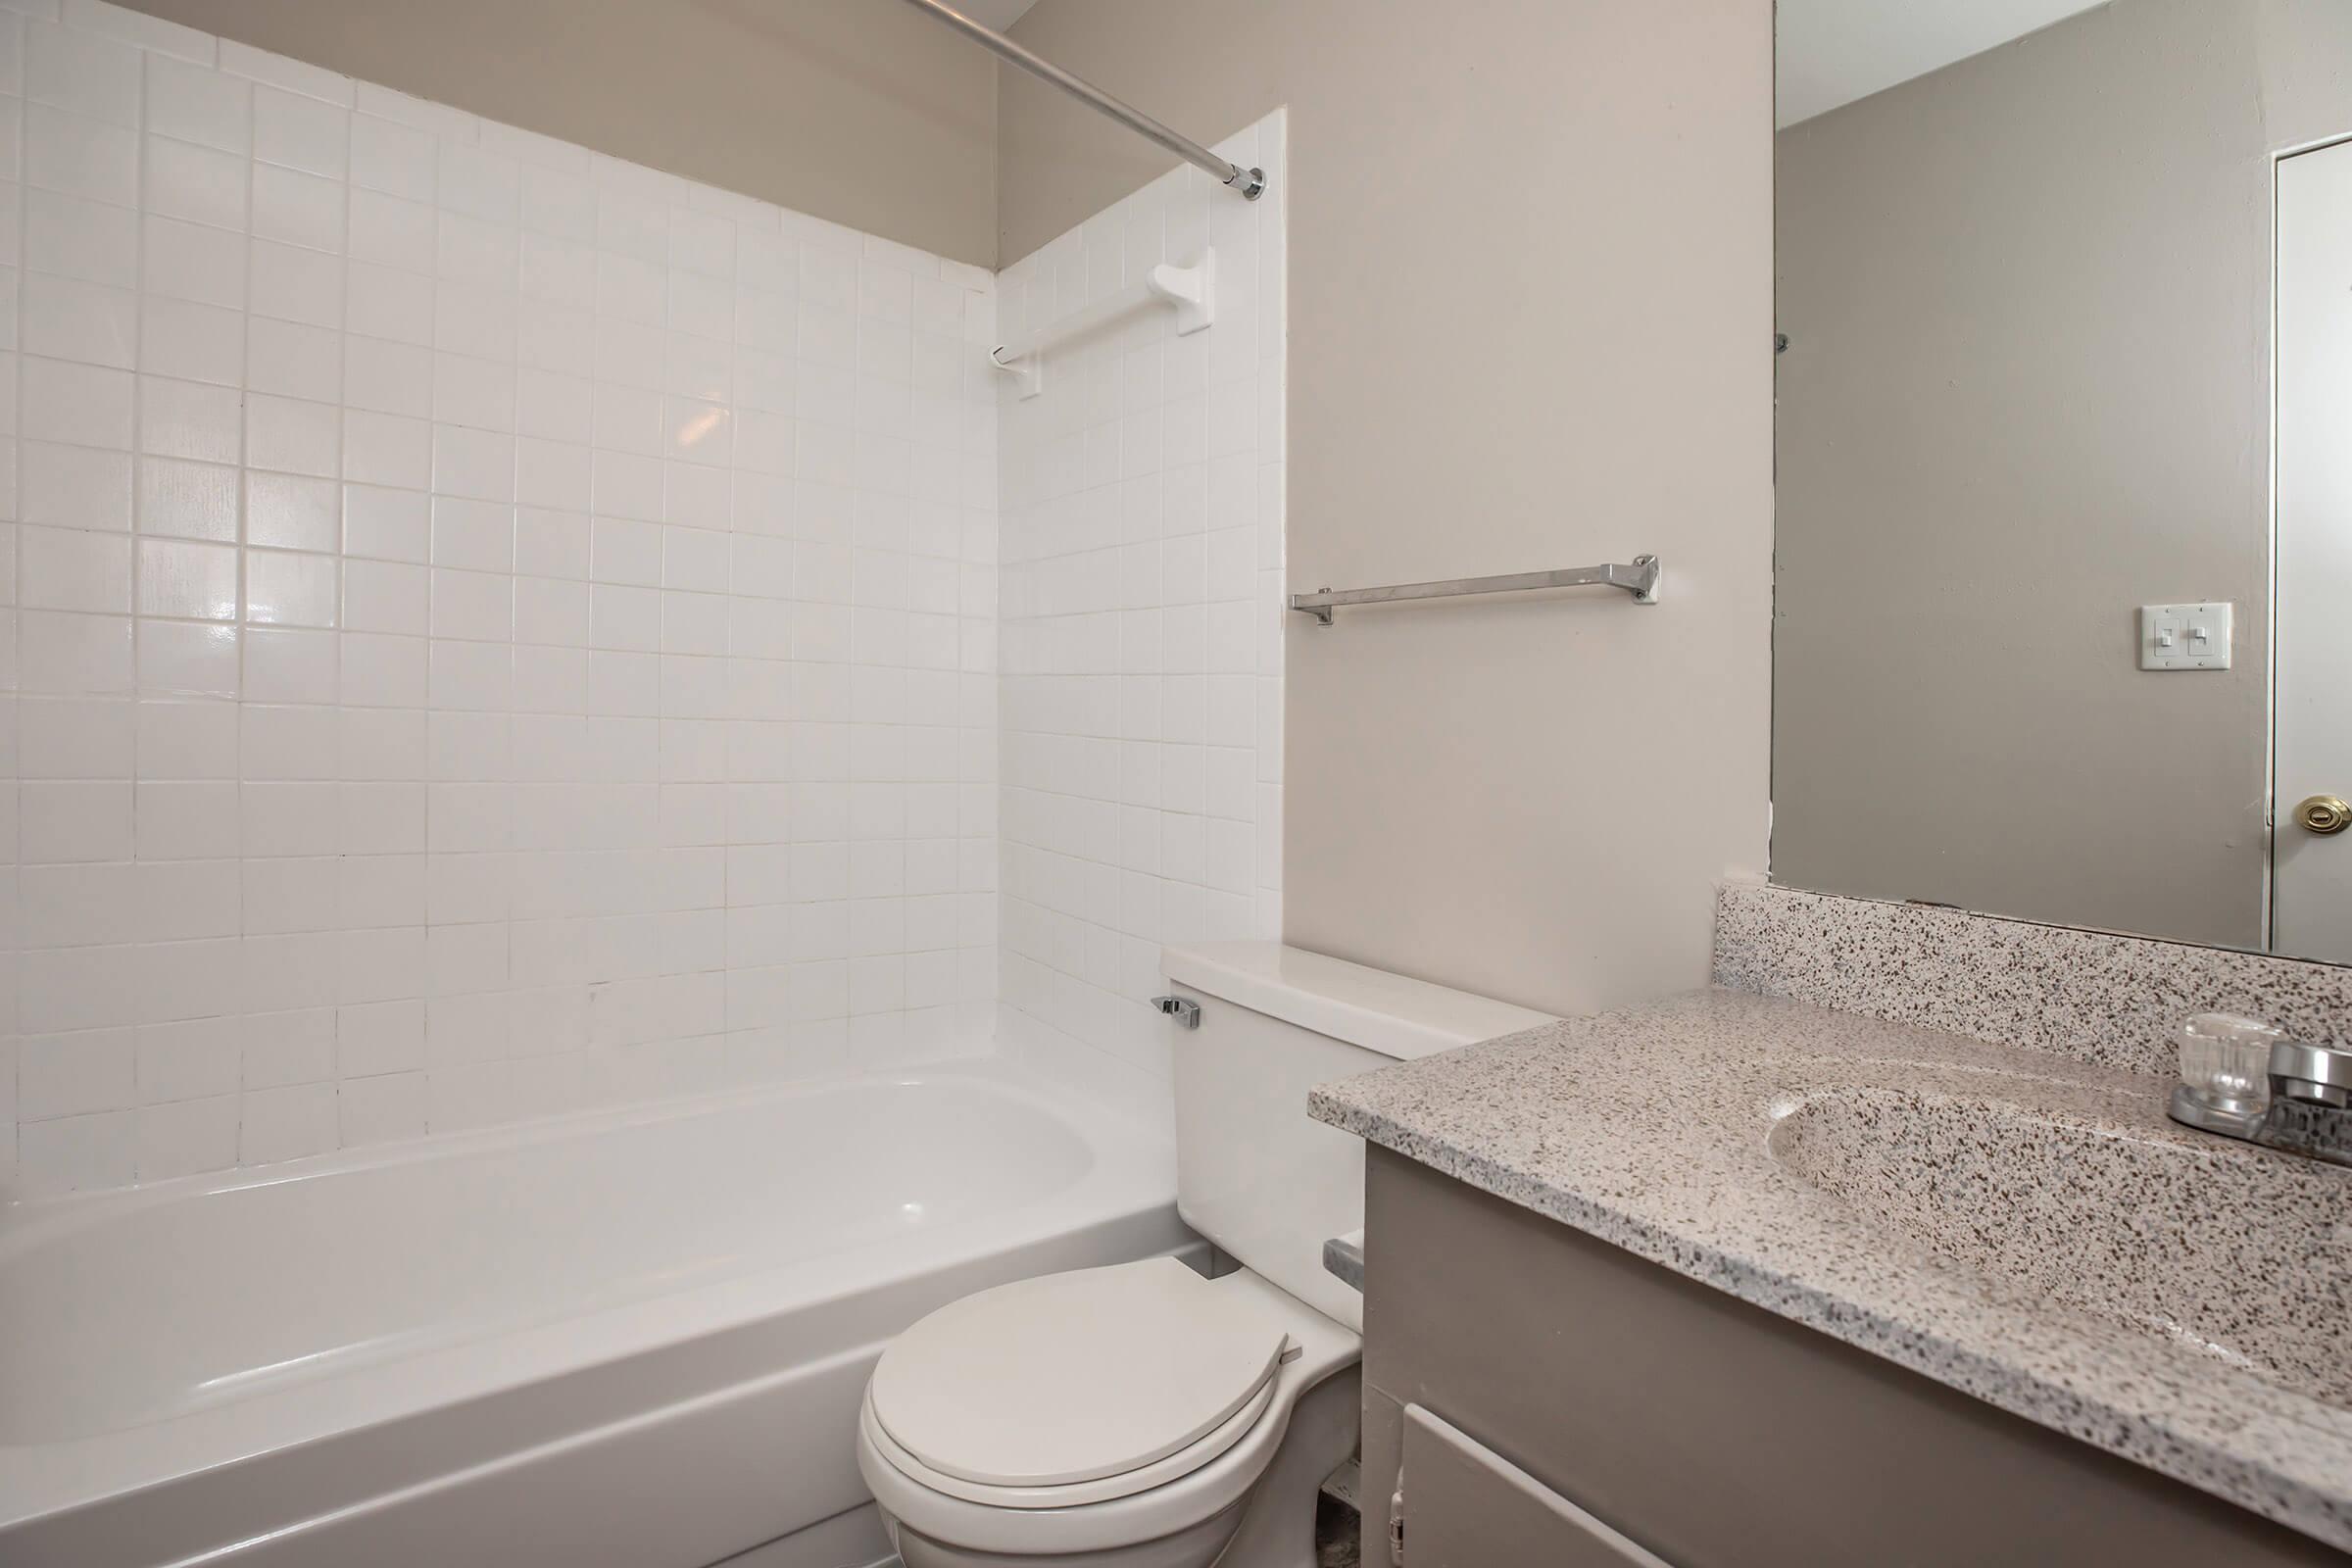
column 2237, row 1253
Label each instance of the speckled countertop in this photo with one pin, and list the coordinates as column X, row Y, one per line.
column 2024, row 1227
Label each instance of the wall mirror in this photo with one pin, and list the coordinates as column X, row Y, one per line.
column 2063, row 621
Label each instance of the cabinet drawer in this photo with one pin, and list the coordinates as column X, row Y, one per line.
column 1467, row 1506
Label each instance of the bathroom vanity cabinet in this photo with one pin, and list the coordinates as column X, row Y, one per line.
column 1548, row 1398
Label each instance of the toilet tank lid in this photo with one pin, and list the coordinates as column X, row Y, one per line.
column 1367, row 1008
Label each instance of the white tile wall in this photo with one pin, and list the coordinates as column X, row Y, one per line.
column 1142, row 580
column 487, row 630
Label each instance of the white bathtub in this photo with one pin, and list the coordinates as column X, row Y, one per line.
column 631, row 1338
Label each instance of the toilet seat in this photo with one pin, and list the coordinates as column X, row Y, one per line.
column 1076, row 1387
column 1106, row 1488
column 1186, row 1489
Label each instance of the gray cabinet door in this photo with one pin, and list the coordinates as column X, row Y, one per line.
column 1467, row 1506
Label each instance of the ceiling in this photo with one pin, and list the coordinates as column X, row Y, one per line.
column 997, row 14
column 1832, row 52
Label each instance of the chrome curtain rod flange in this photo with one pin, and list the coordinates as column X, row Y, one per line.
column 1639, row 578
column 1250, row 183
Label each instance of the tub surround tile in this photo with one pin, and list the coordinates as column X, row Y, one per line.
column 1141, row 631
column 1651, row 1128
column 322, row 388
column 636, row 547
column 2090, row 995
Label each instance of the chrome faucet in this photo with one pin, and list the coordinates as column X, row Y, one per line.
column 2308, row 1110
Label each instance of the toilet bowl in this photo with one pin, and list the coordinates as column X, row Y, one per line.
column 1139, row 1416
column 1145, row 1416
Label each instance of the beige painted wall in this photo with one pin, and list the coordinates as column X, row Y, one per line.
column 2028, row 300
column 1531, row 304
column 2306, row 48
column 857, row 110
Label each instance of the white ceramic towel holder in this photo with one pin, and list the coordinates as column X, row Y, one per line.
column 1192, row 290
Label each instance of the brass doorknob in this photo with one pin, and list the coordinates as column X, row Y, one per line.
column 2323, row 814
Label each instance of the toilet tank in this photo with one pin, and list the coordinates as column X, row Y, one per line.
column 1255, row 1174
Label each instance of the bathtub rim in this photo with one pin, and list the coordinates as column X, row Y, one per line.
column 25, row 1219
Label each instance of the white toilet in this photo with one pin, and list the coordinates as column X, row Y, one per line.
column 1142, row 1416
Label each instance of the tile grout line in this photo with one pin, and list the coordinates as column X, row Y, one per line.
column 135, row 575
column 239, row 626
column 15, row 962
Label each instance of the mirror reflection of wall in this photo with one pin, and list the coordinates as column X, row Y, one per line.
column 2026, row 390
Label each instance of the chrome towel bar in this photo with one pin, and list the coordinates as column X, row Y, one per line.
column 1641, row 579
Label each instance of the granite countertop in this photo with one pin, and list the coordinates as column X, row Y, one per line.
column 1676, row 1131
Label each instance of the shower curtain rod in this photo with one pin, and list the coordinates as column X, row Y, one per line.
column 1250, row 183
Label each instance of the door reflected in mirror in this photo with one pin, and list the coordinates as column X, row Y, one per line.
column 2064, row 526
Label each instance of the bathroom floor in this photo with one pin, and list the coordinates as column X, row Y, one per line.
column 1337, row 1532
column 1336, row 1536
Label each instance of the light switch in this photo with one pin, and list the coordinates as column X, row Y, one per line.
column 2185, row 636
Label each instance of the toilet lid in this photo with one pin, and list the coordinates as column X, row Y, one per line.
column 1074, row 1377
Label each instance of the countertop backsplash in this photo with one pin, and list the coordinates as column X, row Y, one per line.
column 2091, row 994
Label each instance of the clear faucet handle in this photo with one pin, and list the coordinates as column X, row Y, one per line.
column 2225, row 1061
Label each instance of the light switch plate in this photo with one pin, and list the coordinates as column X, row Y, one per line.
column 2185, row 636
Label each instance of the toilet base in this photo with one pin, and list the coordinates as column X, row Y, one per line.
column 1196, row 1548
column 1270, row 1526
